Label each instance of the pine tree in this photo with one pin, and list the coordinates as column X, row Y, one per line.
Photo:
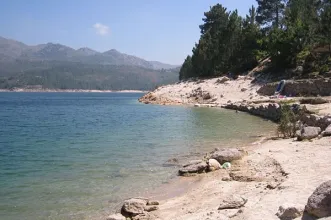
column 270, row 13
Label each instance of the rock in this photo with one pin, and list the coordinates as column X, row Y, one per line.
column 290, row 211
column 151, row 208
column 243, row 89
column 232, row 202
column 206, row 96
column 227, row 155
column 327, row 131
column 117, row 216
column 153, row 202
column 308, row 133
column 134, row 206
column 213, row 165
column 144, row 216
column 222, row 80
column 319, row 203
column 197, row 166
column 227, row 178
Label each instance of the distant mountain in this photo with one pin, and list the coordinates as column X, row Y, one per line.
column 11, row 49
column 158, row 65
column 58, row 66
column 85, row 51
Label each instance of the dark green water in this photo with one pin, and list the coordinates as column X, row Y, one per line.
column 77, row 155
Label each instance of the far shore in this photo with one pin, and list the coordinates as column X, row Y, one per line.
column 72, row 90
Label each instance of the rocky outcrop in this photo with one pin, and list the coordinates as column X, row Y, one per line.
column 266, row 110
column 290, row 211
column 196, row 166
column 227, row 155
column 134, row 207
column 306, row 87
column 316, row 121
column 151, row 98
column 319, row 203
column 308, row 133
column 232, row 202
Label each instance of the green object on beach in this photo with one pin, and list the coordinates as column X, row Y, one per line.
column 226, row 165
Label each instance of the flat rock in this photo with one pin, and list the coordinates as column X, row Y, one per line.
column 151, row 208
column 227, row 155
column 193, row 167
column 134, row 206
column 308, row 133
column 214, row 165
column 290, row 211
column 232, row 202
column 117, row 216
column 319, row 203
column 153, row 202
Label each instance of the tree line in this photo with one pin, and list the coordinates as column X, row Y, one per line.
column 286, row 31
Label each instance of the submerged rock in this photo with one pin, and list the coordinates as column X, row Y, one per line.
column 196, row 166
column 227, row 155
column 319, row 203
column 290, row 211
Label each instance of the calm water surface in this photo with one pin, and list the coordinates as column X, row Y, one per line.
column 77, row 155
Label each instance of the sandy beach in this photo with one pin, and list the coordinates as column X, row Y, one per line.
column 274, row 172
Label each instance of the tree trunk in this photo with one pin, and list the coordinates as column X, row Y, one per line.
column 277, row 16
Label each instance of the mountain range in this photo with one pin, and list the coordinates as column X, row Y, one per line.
column 58, row 66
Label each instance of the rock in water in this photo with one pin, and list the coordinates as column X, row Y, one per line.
column 227, row 155
column 213, row 165
column 197, row 166
column 116, row 217
column 232, row 202
column 327, row 131
column 319, row 203
column 308, row 133
column 290, row 211
column 134, row 206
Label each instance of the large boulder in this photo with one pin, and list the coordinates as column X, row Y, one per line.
column 327, row 131
column 213, row 165
column 116, row 217
column 227, row 155
column 290, row 211
column 232, row 202
column 319, row 203
column 132, row 207
column 196, row 166
column 308, row 133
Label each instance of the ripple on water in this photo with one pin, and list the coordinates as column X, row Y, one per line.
column 78, row 155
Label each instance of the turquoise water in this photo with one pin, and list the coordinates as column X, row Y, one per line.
column 77, row 155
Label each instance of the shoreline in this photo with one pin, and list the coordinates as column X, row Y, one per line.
column 275, row 172
column 71, row 91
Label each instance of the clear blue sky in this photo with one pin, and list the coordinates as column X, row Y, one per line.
column 162, row 30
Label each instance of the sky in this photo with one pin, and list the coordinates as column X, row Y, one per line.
column 161, row 30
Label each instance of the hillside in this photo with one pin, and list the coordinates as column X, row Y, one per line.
column 56, row 66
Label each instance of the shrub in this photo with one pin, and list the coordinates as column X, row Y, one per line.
column 287, row 123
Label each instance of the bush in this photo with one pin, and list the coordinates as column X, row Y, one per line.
column 287, row 124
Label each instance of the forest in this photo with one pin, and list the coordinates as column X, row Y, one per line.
column 291, row 34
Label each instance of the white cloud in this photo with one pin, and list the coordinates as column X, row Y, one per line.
column 101, row 29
